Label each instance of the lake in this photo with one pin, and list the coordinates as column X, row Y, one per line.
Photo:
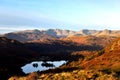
column 29, row 68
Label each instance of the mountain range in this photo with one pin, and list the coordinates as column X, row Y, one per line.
column 30, row 35
column 100, row 65
column 86, row 49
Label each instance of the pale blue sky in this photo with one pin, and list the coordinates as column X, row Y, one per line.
column 62, row 14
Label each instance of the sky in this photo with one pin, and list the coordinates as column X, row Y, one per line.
column 75, row 15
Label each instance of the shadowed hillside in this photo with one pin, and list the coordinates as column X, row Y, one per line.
column 58, row 48
column 13, row 55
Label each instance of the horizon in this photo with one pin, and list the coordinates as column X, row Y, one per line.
column 54, row 14
column 17, row 30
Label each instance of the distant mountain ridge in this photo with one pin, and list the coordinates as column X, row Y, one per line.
column 30, row 35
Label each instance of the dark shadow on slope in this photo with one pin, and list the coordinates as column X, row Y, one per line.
column 13, row 55
column 60, row 50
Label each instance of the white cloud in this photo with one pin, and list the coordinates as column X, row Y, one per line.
column 9, row 28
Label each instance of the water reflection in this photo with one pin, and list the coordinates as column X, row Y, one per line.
column 45, row 64
column 41, row 66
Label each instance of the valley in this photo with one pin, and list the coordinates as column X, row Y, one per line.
column 90, row 54
column 59, row 39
